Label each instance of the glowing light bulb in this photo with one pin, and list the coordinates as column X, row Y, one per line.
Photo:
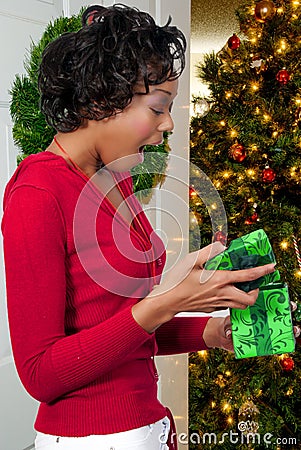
column 284, row 245
column 223, row 123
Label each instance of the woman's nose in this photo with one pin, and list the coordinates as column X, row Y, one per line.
column 167, row 124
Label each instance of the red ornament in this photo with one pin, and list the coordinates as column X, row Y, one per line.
column 237, row 152
column 268, row 175
column 234, row 42
column 192, row 193
column 253, row 219
column 287, row 363
column 283, row 76
column 221, row 237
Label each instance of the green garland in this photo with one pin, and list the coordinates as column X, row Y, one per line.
column 32, row 134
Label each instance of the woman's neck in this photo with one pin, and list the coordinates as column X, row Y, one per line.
column 76, row 149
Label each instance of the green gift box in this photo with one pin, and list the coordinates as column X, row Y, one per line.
column 251, row 250
column 266, row 327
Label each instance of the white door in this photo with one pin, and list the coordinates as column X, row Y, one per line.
column 20, row 23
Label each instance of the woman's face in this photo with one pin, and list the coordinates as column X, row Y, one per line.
column 141, row 123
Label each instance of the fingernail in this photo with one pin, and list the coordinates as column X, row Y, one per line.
column 297, row 331
column 228, row 333
column 293, row 306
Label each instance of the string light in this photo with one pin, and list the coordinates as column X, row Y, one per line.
column 250, row 172
column 223, row 123
column 230, row 420
column 203, row 354
column 226, row 174
column 284, row 245
column 227, row 407
column 255, row 86
column 213, row 404
column 233, row 133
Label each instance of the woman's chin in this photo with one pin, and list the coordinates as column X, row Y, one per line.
column 127, row 162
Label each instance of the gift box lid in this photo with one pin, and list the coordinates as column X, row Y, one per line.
column 251, row 250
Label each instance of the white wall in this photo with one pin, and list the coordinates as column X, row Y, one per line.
column 20, row 23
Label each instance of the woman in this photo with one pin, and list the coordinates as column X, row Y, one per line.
column 87, row 311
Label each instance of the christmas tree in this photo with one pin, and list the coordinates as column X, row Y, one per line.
column 246, row 137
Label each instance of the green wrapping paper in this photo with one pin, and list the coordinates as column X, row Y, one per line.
column 251, row 250
column 265, row 328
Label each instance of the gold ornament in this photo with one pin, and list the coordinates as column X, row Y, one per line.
column 264, row 11
column 248, row 418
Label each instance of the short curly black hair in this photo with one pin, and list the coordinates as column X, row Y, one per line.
column 92, row 73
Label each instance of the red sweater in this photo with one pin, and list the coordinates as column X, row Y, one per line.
column 76, row 346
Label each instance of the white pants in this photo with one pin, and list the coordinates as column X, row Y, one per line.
column 150, row 437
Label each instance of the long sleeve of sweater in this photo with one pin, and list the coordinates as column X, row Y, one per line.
column 49, row 362
column 181, row 335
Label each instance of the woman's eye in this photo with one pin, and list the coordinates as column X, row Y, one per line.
column 155, row 111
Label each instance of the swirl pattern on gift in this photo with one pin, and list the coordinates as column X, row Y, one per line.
column 266, row 327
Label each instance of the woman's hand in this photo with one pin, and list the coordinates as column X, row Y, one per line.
column 189, row 287
column 218, row 333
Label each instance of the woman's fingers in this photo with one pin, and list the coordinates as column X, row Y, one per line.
column 237, row 276
column 208, row 252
